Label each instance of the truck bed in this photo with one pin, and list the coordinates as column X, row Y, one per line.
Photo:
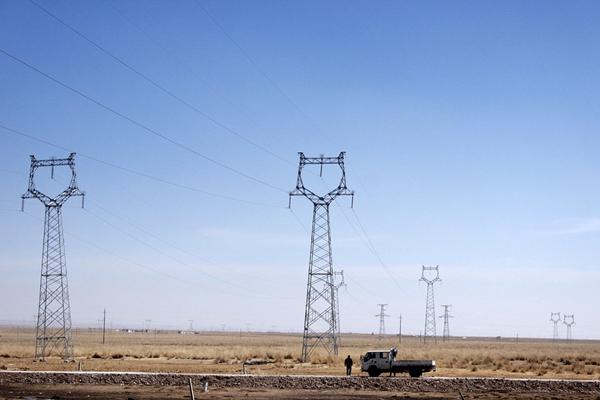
column 413, row 363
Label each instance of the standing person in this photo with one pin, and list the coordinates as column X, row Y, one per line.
column 348, row 363
column 391, row 357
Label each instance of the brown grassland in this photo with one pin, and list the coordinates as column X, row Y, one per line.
column 224, row 352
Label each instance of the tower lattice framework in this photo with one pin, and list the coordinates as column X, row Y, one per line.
column 337, row 286
column 53, row 327
column 382, row 316
column 446, row 317
column 320, row 330
column 569, row 321
column 430, row 332
column 555, row 319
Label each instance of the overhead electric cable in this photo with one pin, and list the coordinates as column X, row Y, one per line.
column 135, row 172
column 159, row 86
column 253, row 62
column 260, row 70
column 169, row 244
column 367, row 242
column 173, row 55
column 138, row 264
column 139, row 124
column 175, row 259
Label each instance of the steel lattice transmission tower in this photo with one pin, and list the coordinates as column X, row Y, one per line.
column 430, row 330
column 446, row 316
column 569, row 321
column 53, row 328
column 337, row 286
column 320, row 312
column 382, row 316
column 555, row 318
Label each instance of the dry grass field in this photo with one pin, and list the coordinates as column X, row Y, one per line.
column 224, row 352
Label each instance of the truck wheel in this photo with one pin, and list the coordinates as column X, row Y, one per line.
column 373, row 371
column 415, row 373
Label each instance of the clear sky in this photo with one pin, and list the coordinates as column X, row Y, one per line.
column 471, row 131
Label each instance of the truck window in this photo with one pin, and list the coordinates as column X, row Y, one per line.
column 384, row 354
column 368, row 356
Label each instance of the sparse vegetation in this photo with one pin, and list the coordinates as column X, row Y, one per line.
column 225, row 352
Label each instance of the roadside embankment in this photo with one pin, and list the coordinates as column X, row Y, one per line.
column 286, row 382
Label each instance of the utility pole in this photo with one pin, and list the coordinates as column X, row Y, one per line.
column 337, row 287
column 382, row 316
column 104, row 327
column 430, row 331
column 53, row 327
column 191, row 321
column 569, row 321
column 320, row 311
column 446, row 316
column 400, row 331
column 555, row 319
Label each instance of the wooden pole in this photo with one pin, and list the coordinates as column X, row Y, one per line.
column 104, row 328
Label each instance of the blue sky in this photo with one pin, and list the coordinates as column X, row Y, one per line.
column 471, row 132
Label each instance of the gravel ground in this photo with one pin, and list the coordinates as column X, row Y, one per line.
column 293, row 387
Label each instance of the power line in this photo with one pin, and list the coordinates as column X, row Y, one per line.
column 159, row 86
column 255, row 64
column 178, row 261
column 172, row 54
column 372, row 248
column 156, row 237
column 112, row 253
column 138, row 173
column 137, row 227
column 143, row 266
column 346, row 276
column 367, row 242
column 139, row 124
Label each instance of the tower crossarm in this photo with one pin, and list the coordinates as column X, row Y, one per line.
column 569, row 320
column 57, row 201
column 428, row 280
column 326, row 199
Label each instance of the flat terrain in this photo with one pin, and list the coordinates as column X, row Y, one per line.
column 576, row 366
column 225, row 352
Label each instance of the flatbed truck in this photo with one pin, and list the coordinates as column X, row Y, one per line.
column 376, row 362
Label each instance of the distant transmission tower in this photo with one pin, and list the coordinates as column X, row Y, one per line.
column 569, row 321
column 337, row 286
column 555, row 318
column 382, row 316
column 53, row 328
column 430, row 331
column 320, row 312
column 446, row 316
